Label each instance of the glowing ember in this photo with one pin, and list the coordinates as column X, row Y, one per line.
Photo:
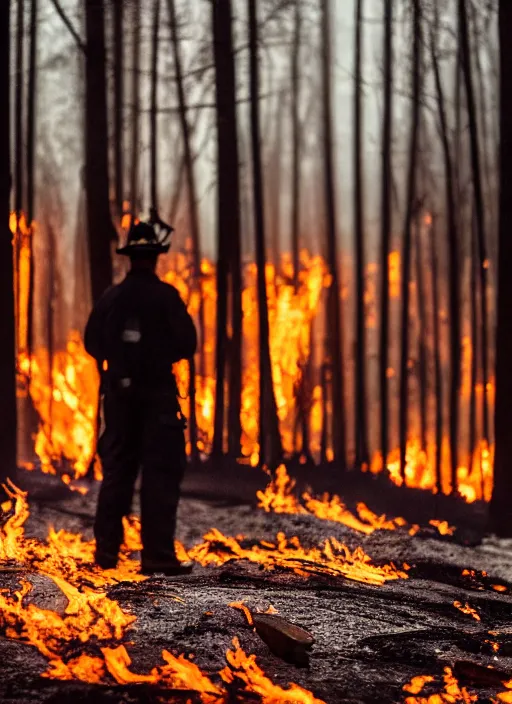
column 443, row 527
column 451, row 693
column 467, row 609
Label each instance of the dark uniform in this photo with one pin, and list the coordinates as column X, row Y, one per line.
column 140, row 328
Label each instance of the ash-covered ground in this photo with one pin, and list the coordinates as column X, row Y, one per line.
column 370, row 640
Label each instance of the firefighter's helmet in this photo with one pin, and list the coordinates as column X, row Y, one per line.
column 147, row 238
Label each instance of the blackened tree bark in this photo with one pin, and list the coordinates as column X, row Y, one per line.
column 454, row 274
column 361, row 422
column 438, row 373
column 99, row 223
column 474, row 345
column 479, row 207
column 407, row 238
column 501, row 507
column 31, row 123
column 295, row 102
column 228, row 224
column 31, row 111
column 335, row 341
column 135, row 89
column 192, row 210
column 386, row 192
column 275, row 183
column 7, row 322
column 153, row 131
column 118, row 11
column 422, row 333
column 18, row 110
column 269, row 436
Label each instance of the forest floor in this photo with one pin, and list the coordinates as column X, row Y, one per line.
column 370, row 641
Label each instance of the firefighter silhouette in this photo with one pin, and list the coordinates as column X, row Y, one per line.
column 135, row 332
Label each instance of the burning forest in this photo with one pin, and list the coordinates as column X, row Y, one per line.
column 255, row 371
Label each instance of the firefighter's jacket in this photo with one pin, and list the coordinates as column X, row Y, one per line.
column 137, row 330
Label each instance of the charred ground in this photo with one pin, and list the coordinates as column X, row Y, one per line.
column 370, row 640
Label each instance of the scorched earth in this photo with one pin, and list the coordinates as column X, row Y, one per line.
column 400, row 611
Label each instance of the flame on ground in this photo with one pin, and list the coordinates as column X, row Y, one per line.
column 279, row 497
column 90, row 615
column 451, row 693
column 331, row 558
column 248, row 671
column 467, row 609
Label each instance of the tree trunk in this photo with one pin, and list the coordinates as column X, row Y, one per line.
column 422, row 335
column 295, row 102
column 454, row 273
column 99, row 223
column 228, row 224
column 7, row 322
column 335, row 341
column 269, row 436
column 134, row 167
column 191, row 193
column 501, row 507
column 31, row 123
column 118, row 10
column 18, row 111
column 407, row 241
column 474, row 345
column 386, row 189
column 275, row 183
column 153, row 131
column 479, row 208
column 438, row 373
column 361, row 422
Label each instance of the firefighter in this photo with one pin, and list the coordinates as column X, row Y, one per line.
column 136, row 331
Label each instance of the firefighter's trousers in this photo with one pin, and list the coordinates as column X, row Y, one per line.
column 143, row 432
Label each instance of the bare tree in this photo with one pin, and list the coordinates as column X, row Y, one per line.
column 193, row 213
column 422, row 332
column 118, row 12
column 438, row 373
column 153, row 169
column 386, row 186
column 361, row 420
column 500, row 509
column 408, row 227
column 479, row 207
column 134, row 167
column 295, row 119
column 99, row 223
column 7, row 322
column 473, row 298
column 31, row 123
column 454, row 259
column 269, row 437
column 334, row 338
column 228, row 224
column 18, row 110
